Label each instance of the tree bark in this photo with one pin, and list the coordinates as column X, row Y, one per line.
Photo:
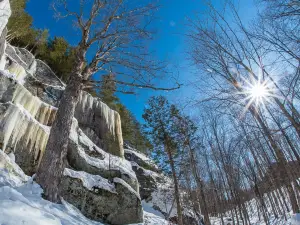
column 284, row 170
column 199, row 181
column 176, row 186
column 51, row 169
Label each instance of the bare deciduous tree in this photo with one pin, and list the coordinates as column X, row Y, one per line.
column 113, row 33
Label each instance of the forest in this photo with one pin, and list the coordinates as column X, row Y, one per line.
column 232, row 147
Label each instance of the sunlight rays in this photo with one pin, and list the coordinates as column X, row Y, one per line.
column 257, row 92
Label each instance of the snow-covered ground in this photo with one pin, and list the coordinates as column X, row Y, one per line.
column 287, row 219
column 21, row 202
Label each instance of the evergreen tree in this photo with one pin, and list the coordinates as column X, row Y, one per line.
column 20, row 22
column 107, row 91
column 161, row 118
column 59, row 55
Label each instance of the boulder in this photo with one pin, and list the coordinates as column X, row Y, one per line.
column 142, row 160
column 16, row 56
column 112, row 202
column 84, row 155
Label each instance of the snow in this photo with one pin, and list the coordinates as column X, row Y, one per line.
column 10, row 173
column 108, row 162
column 21, row 202
column 152, row 219
column 287, row 219
column 90, row 181
column 295, row 219
column 142, row 156
column 148, row 207
column 163, row 197
column 122, row 182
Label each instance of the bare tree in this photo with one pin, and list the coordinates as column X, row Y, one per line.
column 113, row 32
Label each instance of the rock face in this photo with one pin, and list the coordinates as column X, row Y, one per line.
column 112, row 202
column 25, row 123
column 146, row 171
column 101, row 124
column 157, row 190
column 98, row 180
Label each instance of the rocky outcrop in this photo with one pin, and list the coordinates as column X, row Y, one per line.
column 29, row 95
column 25, row 123
column 113, row 202
column 157, row 189
column 146, row 172
column 84, row 155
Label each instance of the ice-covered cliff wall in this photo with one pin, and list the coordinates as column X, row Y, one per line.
column 29, row 96
column 100, row 123
column 97, row 120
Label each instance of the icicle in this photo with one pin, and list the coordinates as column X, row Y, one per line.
column 41, row 111
column 118, row 128
column 18, row 71
column 83, row 100
column 17, row 124
column 88, row 103
column 3, row 59
column 32, row 68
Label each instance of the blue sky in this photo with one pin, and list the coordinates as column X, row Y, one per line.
column 169, row 44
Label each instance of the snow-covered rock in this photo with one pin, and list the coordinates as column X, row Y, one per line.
column 25, row 123
column 21, row 199
column 84, row 155
column 113, row 202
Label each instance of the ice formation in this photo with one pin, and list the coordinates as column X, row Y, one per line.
column 111, row 117
column 18, row 71
column 3, row 58
column 41, row 111
column 5, row 13
column 17, row 124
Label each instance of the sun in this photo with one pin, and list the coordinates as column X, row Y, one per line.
column 259, row 91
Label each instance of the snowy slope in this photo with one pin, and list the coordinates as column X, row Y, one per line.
column 292, row 219
column 21, row 202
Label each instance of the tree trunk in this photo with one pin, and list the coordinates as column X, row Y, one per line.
column 199, row 181
column 176, row 187
column 50, row 171
column 283, row 172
